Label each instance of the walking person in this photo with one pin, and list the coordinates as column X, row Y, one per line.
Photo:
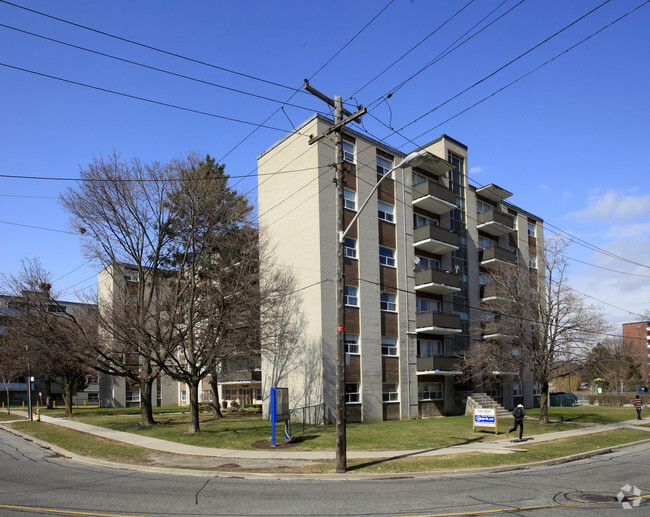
column 638, row 405
column 519, row 414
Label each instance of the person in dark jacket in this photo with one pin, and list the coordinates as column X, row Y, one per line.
column 519, row 414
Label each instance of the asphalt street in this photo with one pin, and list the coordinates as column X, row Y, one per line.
column 35, row 481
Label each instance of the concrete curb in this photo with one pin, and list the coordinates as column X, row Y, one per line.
column 312, row 477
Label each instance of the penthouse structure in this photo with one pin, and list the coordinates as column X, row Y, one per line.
column 417, row 267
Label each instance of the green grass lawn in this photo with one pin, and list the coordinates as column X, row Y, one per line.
column 4, row 417
column 593, row 414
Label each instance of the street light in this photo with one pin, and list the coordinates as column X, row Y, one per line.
column 411, row 160
column 29, row 385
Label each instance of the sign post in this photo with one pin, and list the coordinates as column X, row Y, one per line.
column 279, row 410
column 485, row 417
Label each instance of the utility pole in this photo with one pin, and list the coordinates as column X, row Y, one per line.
column 339, row 124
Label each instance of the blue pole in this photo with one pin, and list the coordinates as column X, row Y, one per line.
column 274, row 415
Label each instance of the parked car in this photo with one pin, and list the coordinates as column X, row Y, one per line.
column 562, row 398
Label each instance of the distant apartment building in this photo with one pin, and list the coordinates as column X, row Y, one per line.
column 12, row 306
column 239, row 382
column 417, row 267
column 636, row 343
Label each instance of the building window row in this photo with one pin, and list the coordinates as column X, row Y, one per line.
column 429, row 391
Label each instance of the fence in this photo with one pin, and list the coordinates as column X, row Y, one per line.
column 304, row 417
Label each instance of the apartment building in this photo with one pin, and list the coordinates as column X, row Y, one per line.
column 417, row 265
column 636, row 343
column 239, row 381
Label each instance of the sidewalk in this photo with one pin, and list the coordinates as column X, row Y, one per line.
column 277, row 458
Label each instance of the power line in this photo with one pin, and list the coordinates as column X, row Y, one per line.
column 150, row 47
column 156, row 69
column 39, row 227
column 144, row 99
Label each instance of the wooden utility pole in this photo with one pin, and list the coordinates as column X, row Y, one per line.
column 339, row 124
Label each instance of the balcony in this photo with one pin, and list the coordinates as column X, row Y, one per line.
column 435, row 239
column 436, row 323
column 489, row 292
column 242, row 376
column 437, row 363
column 491, row 257
column 495, row 223
column 433, row 197
column 436, row 282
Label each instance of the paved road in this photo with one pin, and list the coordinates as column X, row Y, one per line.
column 35, row 482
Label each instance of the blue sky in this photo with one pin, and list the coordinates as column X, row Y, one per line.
column 570, row 140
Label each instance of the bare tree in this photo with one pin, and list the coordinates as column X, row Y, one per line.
column 535, row 323
column 121, row 210
column 52, row 336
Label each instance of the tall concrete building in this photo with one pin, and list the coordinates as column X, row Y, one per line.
column 417, row 263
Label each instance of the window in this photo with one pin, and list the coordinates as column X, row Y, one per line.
column 389, row 392
column 229, row 394
column 517, row 390
column 350, row 199
column 422, row 220
column 493, row 389
column 531, row 229
column 426, row 263
column 537, row 389
column 133, row 396
column 388, row 302
column 258, row 394
column 351, row 296
column 423, row 305
column 384, row 167
column 389, row 346
column 350, row 247
column 429, row 347
column 206, row 396
column 352, row 395
column 532, row 261
column 386, row 256
column 348, row 151
column 93, row 398
column 484, row 242
column 386, row 212
column 482, row 206
column 351, row 343
column 183, row 396
column 430, row 391
column 131, row 276
column 417, row 178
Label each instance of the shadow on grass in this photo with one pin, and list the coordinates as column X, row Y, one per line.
column 413, row 453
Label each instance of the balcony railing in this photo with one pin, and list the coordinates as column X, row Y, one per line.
column 437, row 362
column 436, row 281
column 435, row 239
column 492, row 256
column 437, row 323
column 495, row 222
column 433, row 197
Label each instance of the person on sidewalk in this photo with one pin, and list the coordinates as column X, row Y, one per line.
column 519, row 414
column 638, row 405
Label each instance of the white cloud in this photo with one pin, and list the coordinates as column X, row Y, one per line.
column 613, row 207
column 544, row 187
column 475, row 170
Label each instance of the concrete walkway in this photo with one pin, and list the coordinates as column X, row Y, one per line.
column 502, row 446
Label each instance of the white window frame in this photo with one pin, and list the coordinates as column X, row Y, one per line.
column 532, row 261
column 386, row 212
column 350, row 298
column 390, row 392
column 430, row 391
column 423, row 220
column 424, row 306
column 389, row 346
column 388, row 302
column 386, row 256
column 427, row 263
column 352, row 393
column 350, row 199
column 417, row 178
column 133, row 396
column 350, row 247
column 531, row 229
column 384, row 167
column 183, row 397
column 435, row 346
column 348, row 151
column 482, row 206
column 517, row 389
column 351, row 343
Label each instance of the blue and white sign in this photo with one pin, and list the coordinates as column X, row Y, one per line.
column 485, row 417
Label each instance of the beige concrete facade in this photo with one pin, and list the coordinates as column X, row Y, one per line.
column 404, row 364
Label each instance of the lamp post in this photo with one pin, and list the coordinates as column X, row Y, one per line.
column 410, row 160
column 29, row 386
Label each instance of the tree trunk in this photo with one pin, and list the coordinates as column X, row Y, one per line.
column 70, row 392
column 543, row 403
column 216, row 406
column 146, row 408
column 194, row 407
column 8, row 405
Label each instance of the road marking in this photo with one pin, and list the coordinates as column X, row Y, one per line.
column 67, row 512
column 523, row 508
